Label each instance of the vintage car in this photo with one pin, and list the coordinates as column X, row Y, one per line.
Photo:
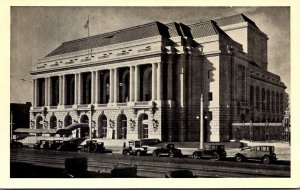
column 54, row 144
column 134, row 148
column 38, row 144
column 15, row 144
column 264, row 153
column 216, row 152
column 68, row 146
column 167, row 150
column 94, row 146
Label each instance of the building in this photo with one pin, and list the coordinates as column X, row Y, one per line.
column 19, row 115
column 146, row 81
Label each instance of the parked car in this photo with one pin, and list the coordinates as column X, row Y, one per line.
column 54, row 144
column 68, row 146
column 167, row 150
column 38, row 144
column 15, row 144
column 135, row 148
column 264, row 153
column 94, row 146
column 216, row 152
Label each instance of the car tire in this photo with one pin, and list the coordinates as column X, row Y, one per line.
column 124, row 152
column 154, row 153
column 138, row 153
column 171, row 154
column 239, row 158
column 196, row 156
column 216, row 156
column 265, row 159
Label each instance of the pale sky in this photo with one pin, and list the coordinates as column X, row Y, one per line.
column 36, row 31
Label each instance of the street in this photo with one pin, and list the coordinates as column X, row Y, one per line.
column 147, row 166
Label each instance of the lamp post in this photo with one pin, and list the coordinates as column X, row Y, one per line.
column 201, row 122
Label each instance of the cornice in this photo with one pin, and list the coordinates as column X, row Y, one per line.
column 97, row 63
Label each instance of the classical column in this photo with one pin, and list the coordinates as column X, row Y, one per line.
column 97, row 87
column 159, row 81
column 60, row 90
column 79, row 89
column 111, row 85
column 154, row 81
column 34, row 97
column 93, row 87
column 75, row 88
column 49, row 91
column 116, row 85
column 63, row 94
column 131, row 90
column 46, row 91
column 137, row 83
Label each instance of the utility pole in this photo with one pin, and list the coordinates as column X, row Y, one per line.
column 201, row 122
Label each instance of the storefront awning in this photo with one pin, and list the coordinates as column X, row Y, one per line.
column 70, row 128
column 26, row 130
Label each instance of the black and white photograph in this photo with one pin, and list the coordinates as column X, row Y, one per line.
column 166, row 91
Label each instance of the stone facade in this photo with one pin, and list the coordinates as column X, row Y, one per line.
column 146, row 82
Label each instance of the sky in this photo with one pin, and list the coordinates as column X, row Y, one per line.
column 36, row 31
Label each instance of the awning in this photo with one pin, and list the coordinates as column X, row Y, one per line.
column 72, row 127
column 26, row 130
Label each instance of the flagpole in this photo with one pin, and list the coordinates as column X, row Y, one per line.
column 88, row 25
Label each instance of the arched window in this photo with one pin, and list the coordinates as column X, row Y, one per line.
column 122, row 127
column 257, row 99
column 146, row 82
column 143, row 126
column 251, row 96
column 124, row 85
column 53, row 122
column 68, row 120
column 263, row 99
column 39, row 122
column 102, row 126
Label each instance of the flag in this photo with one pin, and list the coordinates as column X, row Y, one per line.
column 87, row 23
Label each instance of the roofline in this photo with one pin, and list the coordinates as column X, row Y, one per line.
column 113, row 32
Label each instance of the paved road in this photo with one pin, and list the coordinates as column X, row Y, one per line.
column 149, row 166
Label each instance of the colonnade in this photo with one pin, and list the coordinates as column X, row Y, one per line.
column 134, row 86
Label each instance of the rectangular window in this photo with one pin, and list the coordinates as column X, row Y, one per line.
column 209, row 74
column 210, row 96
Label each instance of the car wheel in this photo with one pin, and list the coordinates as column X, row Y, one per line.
column 238, row 158
column 196, row 155
column 171, row 154
column 216, row 156
column 266, row 160
column 154, row 153
column 124, row 152
column 138, row 153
